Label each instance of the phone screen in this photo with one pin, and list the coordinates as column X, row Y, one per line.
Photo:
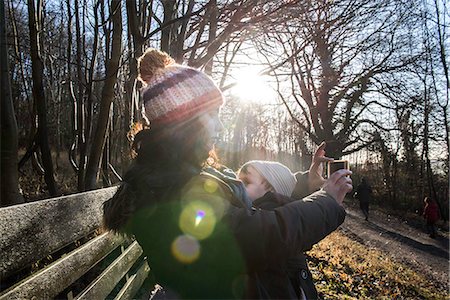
column 335, row 165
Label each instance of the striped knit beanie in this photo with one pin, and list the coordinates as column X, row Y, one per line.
column 278, row 175
column 172, row 92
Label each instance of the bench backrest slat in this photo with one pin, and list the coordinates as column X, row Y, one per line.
column 105, row 282
column 134, row 283
column 53, row 279
column 31, row 231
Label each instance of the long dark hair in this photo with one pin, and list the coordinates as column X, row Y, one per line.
column 165, row 158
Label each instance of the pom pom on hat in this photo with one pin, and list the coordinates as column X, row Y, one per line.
column 152, row 61
column 172, row 92
column 278, row 175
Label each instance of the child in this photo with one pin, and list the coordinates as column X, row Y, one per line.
column 270, row 185
column 260, row 177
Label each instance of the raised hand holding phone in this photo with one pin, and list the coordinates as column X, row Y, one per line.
column 315, row 178
column 339, row 184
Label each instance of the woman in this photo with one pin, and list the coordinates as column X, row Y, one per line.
column 194, row 222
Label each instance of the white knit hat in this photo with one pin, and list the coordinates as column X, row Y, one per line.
column 172, row 92
column 278, row 175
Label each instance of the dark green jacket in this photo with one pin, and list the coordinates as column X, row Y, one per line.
column 208, row 242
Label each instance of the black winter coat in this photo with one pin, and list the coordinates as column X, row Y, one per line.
column 297, row 269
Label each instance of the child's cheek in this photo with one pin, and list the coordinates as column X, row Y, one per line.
column 251, row 191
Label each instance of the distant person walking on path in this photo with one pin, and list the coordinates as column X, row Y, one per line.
column 364, row 194
column 431, row 215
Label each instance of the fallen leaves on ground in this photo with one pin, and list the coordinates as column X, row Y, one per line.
column 344, row 269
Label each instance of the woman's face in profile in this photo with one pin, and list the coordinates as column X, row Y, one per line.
column 212, row 125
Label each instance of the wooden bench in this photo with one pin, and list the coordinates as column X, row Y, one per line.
column 54, row 249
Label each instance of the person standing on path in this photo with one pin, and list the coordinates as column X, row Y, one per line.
column 431, row 215
column 364, row 194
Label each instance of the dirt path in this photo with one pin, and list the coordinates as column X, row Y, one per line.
column 402, row 242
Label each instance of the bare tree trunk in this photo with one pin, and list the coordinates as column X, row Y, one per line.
column 80, row 103
column 37, row 66
column 431, row 185
column 444, row 105
column 212, row 33
column 32, row 144
column 136, row 34
column 74, row 145
column 112, row 66
column 177, row 44
column 19, row 52
column 429, row 69
column 166, row 33
column 106, row 162
column 10, row 176
column 137, row 44
column 89, row 87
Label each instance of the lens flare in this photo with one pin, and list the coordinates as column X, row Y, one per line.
column 198, row 220
column 186, row 249
column 210, row 186
column 199, row 217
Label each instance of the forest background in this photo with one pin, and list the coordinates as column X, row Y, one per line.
column 370, row 75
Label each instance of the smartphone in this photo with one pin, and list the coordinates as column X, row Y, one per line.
column 335, row 165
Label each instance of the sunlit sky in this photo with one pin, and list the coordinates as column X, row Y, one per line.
column 252, row 87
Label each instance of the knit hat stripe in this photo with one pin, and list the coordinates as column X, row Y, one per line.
column 192, row 90
column 206, row 102
column 275, row 180
column 167, row 83
column 280, row 181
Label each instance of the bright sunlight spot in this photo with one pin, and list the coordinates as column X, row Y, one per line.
column 252, row 87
